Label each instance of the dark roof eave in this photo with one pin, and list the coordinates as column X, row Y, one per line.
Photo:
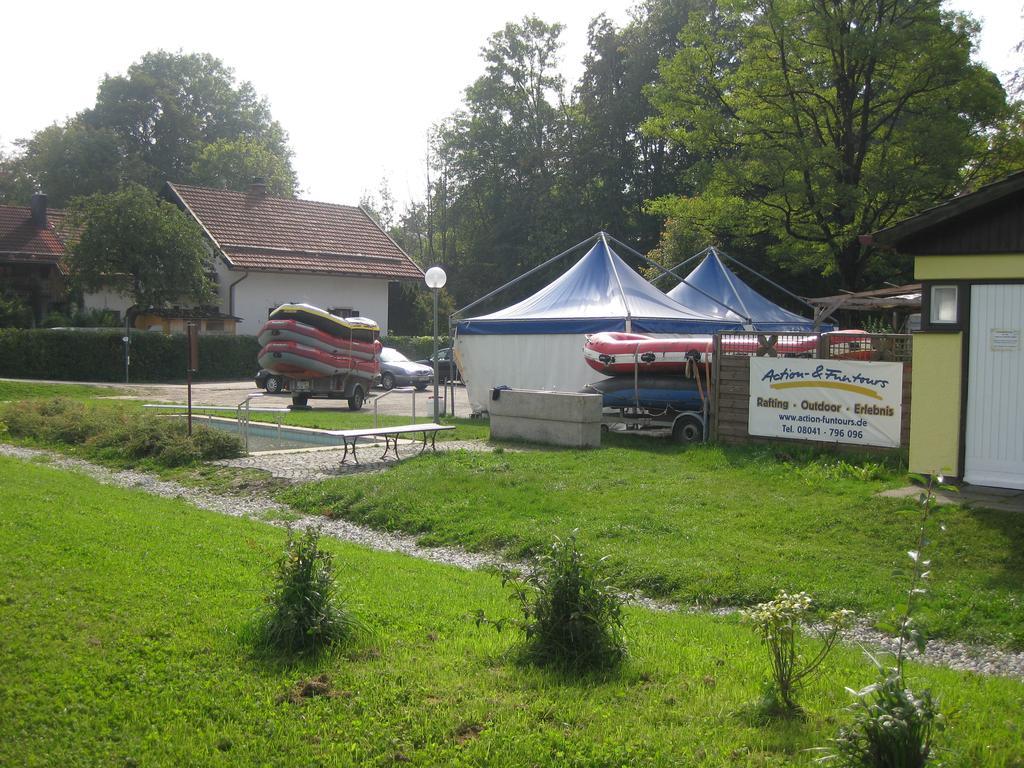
column 31, row 257
column 892, row 236
column 340, row 273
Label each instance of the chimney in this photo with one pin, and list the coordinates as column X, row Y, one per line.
column 38, row 206
column 258, row 187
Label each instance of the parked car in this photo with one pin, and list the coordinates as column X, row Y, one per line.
column 271, row 382
column 396, row 370
column 446, row 366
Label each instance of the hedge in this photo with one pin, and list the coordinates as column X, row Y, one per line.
column 98, row 355
column 79, row 355
column 416, row 347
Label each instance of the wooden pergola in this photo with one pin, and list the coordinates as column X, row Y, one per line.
column 898, row 299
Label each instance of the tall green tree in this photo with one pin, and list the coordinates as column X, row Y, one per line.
column 15, row 184
column 138, row 245
column 169, row 107
column 172, row 116
column 821, row 120
column 499, row 161
column 613, row 166
column 234, row 163
column 70, row 160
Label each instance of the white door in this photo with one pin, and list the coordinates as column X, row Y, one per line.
column 994, row 451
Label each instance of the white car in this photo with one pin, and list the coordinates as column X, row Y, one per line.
column 396, row 370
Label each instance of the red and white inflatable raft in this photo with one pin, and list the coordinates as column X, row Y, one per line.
column 306, row 342
column 305, row 362
column 613, row 353
column 293, row 330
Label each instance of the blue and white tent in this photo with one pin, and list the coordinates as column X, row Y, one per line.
column 538, row 342
column 715, row 290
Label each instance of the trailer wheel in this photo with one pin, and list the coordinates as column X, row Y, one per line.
column 300, row 401
column 687, row 429
column 356, row 401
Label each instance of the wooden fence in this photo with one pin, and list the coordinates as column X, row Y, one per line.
column 731, row 376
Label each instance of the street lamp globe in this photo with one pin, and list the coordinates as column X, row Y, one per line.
column 435, row 278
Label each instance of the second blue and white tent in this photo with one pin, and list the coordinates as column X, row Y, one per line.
column 538, row 342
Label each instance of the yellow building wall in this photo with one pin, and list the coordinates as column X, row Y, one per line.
column 1003, row 266
column 935, row 403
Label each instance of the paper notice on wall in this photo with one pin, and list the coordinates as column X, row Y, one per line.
column 833, row 401
column 1004, row 339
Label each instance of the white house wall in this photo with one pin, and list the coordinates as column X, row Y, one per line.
column 260, row 291
column 107, row 299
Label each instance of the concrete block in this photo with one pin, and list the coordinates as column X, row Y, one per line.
column 568, row 419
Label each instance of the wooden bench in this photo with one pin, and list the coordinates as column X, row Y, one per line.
column 349, row 437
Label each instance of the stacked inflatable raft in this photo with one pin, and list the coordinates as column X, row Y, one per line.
column 668, row 372
column 305, row 342
column 649, row 372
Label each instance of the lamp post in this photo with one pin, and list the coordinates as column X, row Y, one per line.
column 435, row 279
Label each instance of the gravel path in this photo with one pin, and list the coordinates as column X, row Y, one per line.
column 982, row 659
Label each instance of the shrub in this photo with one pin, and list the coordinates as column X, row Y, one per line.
column 306, row 613
column 118, row 435
column 14, row 312
column 892, row 728
column 166, row 441
column 571, row 615
column 58, row 420
column 214, row 444
column 781, row 624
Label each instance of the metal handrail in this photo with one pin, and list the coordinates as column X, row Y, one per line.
column 241, row 418
column 380, row 397
column 243, row 423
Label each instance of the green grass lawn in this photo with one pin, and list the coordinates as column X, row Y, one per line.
column 126, row 620
column 23, row 390
column 465, row 429
column 705, row 524
column 700, row 524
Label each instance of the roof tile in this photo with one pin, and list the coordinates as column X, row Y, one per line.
column 20, row 237
column 274, row 234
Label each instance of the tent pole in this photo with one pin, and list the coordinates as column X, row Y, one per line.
column 618, row 282
column 767, row 280
column 698, row 290
column 523, row 276
column 680, row 265
column 729, row 278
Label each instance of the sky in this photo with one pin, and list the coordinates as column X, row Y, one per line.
column 356, row 85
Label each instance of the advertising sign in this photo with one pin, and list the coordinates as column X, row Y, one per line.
column 832, row 401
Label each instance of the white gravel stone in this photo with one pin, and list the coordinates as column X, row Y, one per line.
column 981, row 659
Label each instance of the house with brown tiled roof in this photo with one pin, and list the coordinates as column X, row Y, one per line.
column 271, row 250
column 32, row 257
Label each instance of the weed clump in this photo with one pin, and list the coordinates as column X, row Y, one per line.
column 781, row 623
column 892, row 727
column 306, row 612
column 118, row 435
column 59, row 420
column 569, row 612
